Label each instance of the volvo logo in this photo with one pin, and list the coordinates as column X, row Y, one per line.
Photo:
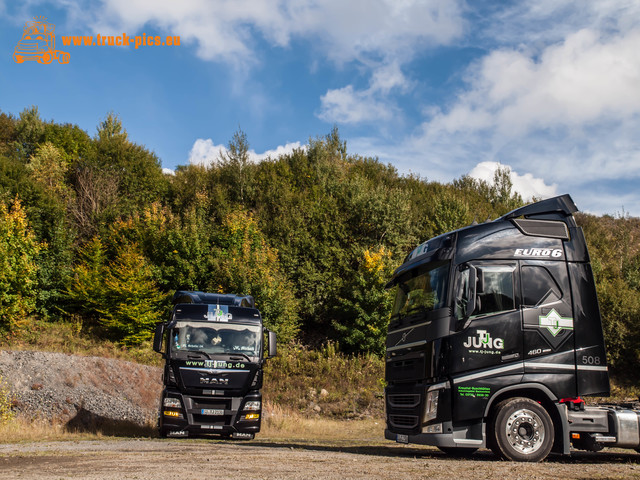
column 404, row 336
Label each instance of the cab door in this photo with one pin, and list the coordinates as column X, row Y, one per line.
column 549, row 343
column 487, row 352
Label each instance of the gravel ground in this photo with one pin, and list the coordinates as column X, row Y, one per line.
column 89, row 391
column 81, row 391
column 265, row 459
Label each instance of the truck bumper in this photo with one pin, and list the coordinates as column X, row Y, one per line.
column 460, row 437
column 207, row 415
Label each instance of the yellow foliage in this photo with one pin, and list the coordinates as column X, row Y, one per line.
column 6, row 402
column 375, row 261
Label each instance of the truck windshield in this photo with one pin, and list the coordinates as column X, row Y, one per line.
column 423, row 292
column 218, row 338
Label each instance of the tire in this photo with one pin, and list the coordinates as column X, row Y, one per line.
column 63, row 57
column 522, row 430
column 458, row 452
column 46, row 58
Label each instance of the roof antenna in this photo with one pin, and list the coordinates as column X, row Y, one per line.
column 475, row 221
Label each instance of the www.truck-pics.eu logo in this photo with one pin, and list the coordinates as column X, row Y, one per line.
column 484, row 343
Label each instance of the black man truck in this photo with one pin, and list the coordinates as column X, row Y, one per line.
column 213, row 346
column 495, row 336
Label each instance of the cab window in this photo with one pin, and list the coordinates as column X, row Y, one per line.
column 495, row 290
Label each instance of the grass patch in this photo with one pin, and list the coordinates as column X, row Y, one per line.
column 288, row 425
column 70, row 337
column 21, row 429
column 278, row 425
column 325, row 382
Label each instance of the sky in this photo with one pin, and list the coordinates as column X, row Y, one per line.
column 441, row 89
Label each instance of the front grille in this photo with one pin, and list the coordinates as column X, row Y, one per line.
column 407, row 364
column 211, row 420
column 204, row 402
column 403, row 421
column 404, row 401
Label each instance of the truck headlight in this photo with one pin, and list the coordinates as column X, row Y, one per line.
column 431, row 405
column 171, row 402
column 252, row 405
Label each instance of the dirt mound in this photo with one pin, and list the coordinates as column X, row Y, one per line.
column 82, row 392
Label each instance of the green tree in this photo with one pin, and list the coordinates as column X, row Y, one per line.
column 247, row 265
column 234, row 165
column 362, row 316
column 133, row 304
column 86, row 292
column 18, row 268
column 118, row 297
column 29, row 130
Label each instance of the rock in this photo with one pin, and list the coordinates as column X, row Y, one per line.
column 57, row 386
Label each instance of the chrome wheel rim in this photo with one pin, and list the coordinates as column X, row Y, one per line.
column 525, row 432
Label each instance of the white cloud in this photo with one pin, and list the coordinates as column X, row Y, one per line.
column 228, row 30
column 526, row 185
column 543, row 22
column 346, row 105
column 584, row 79
column 205, row 152
column 371, row 105
column 568, row 112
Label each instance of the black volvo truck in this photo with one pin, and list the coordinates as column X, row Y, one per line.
column 494, row 338
column 213, row 346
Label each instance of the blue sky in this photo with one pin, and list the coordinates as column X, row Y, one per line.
column 550, row 88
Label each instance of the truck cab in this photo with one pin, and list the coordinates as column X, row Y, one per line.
column 213, row 346
column 496, row 336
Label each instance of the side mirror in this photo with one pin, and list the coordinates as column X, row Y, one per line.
column 158, row 338
column 479, row 281
column 271, row 344
column 471, row 294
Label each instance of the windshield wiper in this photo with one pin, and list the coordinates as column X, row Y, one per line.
column 201, row 352
column 416, row 308
column 231, row 356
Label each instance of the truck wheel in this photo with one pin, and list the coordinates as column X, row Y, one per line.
column 63, row 57
column 458, row 452
column 46, row 58
column 522, row 430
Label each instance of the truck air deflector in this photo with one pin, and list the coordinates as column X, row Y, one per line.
column 562, row 204
column 542, row 228
column 183, row 296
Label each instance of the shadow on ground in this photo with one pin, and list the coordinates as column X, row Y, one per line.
column 85, row 421
column 577, row 457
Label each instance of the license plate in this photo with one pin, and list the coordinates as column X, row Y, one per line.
column 400, row 438
column 211, row 411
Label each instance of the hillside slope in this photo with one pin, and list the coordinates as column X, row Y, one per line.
column 82, row 392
